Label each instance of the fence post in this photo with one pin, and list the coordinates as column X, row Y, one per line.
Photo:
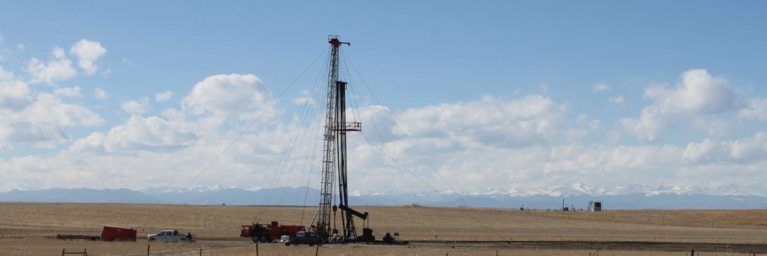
column 200, row 251
column 147, row 249
column 693, row 252
column 317, row 252
column 256, row 249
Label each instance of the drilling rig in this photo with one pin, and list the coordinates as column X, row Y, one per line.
column 334, row 161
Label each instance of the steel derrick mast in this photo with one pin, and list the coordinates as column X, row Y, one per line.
column 334, row 154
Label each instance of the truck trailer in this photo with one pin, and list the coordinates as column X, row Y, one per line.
column 109, row 234
column 115, row 233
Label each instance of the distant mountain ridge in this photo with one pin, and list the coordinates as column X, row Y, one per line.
column 582, row 189
column 561, row 190
column 576, row 195
column 578, row 189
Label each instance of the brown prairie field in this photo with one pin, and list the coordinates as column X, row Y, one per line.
column 479, row 231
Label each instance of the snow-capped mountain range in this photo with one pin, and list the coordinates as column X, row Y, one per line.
column 555, row 191
column 634, row 196
column 214, row 188
column 583, row 189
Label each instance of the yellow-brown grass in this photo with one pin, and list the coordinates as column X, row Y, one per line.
column 36, row 246
column 23, row 225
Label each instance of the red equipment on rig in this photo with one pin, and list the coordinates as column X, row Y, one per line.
column 267, row 233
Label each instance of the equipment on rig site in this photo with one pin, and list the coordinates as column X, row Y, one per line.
column 595, row 206
column 388, row 238
column 267, row 233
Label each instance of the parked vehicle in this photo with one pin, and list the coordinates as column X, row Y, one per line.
column 115, row 233
column 302, row 237
column 171, row 236
column 267, row 233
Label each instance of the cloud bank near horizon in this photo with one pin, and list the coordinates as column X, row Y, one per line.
column 493, row 142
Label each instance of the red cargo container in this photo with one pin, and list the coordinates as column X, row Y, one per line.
column 115, row 233
column 268, row 233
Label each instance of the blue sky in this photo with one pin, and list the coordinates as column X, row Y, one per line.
column 421, row 59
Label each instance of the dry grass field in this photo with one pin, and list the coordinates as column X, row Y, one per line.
column 25, row 226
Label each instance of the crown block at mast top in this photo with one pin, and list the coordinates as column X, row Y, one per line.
column 351, row 126
column 335, row 40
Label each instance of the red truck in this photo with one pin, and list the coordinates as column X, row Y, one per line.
column 267, row 233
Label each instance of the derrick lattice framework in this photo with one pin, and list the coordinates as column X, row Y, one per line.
column 334, row 153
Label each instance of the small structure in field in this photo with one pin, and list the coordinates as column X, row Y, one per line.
column 595, row 206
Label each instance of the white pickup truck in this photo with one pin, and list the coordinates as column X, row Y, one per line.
column 171, row 236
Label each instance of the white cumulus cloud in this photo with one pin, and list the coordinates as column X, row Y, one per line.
column 243, row 96
column 173, row 114
column 756, row 109
column 529, row 120
column 14, row 93
column 533, row 141
column 601, row 87
column 39, row 121
column 136, row 107
column 698, row 93
column 616, row 100
column 101, row 94
column 160, row 97
column 743, row 151
column 59, row 68
column 713, row 127
column 306, row 99
column 88, row 52
column 149, row 134
column 49, row 109
column 71, row 92
column 42, row 122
